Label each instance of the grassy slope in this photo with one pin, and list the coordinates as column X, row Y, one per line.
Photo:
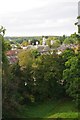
column 51, row 109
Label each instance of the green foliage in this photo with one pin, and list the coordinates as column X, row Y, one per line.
column 72, row 77
column 2, row 54
column 73, row 39
column 67, row 54
column 56, row 42
column 69, row 41
column 35, row 53
column 7, row 45
column 2, row 30
column 51, row 109
column 25, row 58
column 33, row 41
column 42, row 74
column 18, row 46
column 36, row 77
column 3, row 46
column 9, row 87
column 62, row 38
column 25, row 43
column 48, row 75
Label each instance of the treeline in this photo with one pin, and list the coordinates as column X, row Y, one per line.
column 37, row 78
column 52, row 41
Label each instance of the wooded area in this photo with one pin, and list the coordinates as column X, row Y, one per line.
column 40, row 78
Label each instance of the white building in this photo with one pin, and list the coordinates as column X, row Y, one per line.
column 52, row 42
column 44, row 41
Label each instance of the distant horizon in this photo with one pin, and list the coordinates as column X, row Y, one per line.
column 38, row 35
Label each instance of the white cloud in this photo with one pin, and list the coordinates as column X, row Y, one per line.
column 20, row 5
column 38, row 17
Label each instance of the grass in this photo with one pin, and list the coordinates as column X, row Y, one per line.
column 50, row 109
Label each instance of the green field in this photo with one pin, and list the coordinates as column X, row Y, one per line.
column 50, row 109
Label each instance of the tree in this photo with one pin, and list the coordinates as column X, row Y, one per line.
column 2, row 30
column 8, row 45
column 48, row 76
column 33, row 41
column 9, row 87
column 72, row 77
column 35, row 53
column 67, row 54
column 73, row 39
column 26, row 61
column 53, row 42
column 25, row 43
column 62, row 38
column 42, row 75
column 3, row 45
column 25, row 58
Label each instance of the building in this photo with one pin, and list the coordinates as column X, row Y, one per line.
column 12, row 56
column 79, row 17
column 78, row 23
column 44, row 41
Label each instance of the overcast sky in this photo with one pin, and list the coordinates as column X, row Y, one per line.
column 38, row 17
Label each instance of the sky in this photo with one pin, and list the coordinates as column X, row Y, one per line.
column 38, row 17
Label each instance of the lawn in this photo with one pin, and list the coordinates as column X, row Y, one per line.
column 50, row 109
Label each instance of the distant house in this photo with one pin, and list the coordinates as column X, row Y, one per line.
column 44, row 41
column 40, row 48
column 64, row 47
column 14, row 47
column 43, row 48
column 24, row 47
column 12, row 56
